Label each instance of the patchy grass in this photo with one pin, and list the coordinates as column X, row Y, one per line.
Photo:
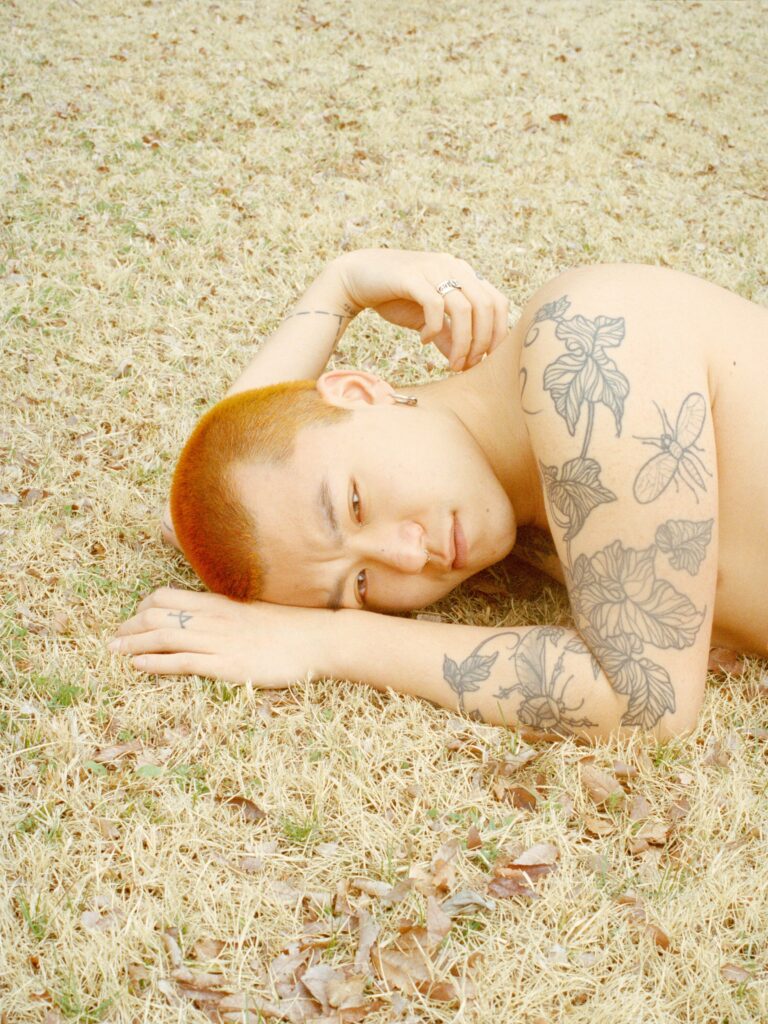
column 171, row 176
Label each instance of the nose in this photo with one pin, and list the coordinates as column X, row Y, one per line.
column 398, row 545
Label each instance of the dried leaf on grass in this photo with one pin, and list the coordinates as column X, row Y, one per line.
column 602, row 787
column 735, row 973
column 724, row 662
column 101, row 922
column 633, row 908
column 512, row 876
column 250, row 810
column 640, row 808
column 599, row 827
column 443, row 868
column 474, row 839
column 368, row 932
column 466, row 903
column 386, row 893
column 208, row 949
column 113, row 753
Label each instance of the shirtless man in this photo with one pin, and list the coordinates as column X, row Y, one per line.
column 623, row 417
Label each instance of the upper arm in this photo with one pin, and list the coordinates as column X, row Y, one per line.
column 617, row 406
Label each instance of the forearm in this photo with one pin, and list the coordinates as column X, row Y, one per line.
column 303, row 343
column 540, row 677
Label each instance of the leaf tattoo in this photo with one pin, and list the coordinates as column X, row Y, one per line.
column 619, row 593
column 585, row 373
column 573, row 492
column 466, row 677
column 685, row 542
column 647, row 684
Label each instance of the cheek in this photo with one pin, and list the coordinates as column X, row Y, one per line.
column 408, row 594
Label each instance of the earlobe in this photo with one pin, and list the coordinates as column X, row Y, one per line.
column 350, row 389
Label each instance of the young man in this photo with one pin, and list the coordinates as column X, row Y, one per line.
column 623, row 417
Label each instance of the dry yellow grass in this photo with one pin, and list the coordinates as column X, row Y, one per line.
column 171, row 174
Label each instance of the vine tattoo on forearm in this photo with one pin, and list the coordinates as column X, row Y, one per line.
column 543, row 691
column 620, row 602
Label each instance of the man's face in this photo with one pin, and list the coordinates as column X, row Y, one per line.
column 348, row 520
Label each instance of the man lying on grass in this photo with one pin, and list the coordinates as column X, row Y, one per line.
column 624, row 417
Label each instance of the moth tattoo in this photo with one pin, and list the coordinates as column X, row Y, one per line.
column 677, row 458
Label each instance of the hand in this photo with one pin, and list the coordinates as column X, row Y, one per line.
column 401, row 286
column 184, row 632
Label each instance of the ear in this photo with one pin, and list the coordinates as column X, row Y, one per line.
column 350, row 389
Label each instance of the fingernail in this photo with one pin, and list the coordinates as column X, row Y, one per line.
column 114, row 645
column 139, row 660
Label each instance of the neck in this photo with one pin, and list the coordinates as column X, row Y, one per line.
column 486, row 401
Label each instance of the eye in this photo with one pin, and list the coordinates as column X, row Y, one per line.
column 356, row 506
column 361, row 586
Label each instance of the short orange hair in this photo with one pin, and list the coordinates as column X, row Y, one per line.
column 218, row 535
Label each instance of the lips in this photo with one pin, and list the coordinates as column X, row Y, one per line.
column 459, row 545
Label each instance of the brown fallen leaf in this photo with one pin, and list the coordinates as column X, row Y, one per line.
column 639, row 809
column 438, row 922
column 715, row 753
column 521, row 798
column 724, row 662
column 679, row 809
column 112, row 754
column 514, row 884
column 108, row 829
column 599, row 826
column 336, row 989
column 31, row 495
column 623, row 771
column 387, row 894
column 653, row 832
column 602, row 787
column 559, row 118
column 466, row 903
column 101, row 922
column 633, row 908
column 598, row 863
column 250, row 811
column 170, row 937
column 368, row 932
column 443, row 868
column 474, row 839
column 510, row 764
column 208, row 949
column 735, row 973
column 539, row 855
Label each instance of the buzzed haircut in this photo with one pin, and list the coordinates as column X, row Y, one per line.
column 216, row 532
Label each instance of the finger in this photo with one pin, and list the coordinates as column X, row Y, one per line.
column 157, row 640
column 158, row 618
column 418, row 288
column 442, row 341
column 482, row 322
column 185, row 664
column 174, row 597
column 460, row 312
column 500, row 316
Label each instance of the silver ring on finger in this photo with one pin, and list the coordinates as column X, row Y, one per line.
column 448, row 285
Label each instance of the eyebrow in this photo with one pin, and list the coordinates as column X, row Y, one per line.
column 331, row 522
